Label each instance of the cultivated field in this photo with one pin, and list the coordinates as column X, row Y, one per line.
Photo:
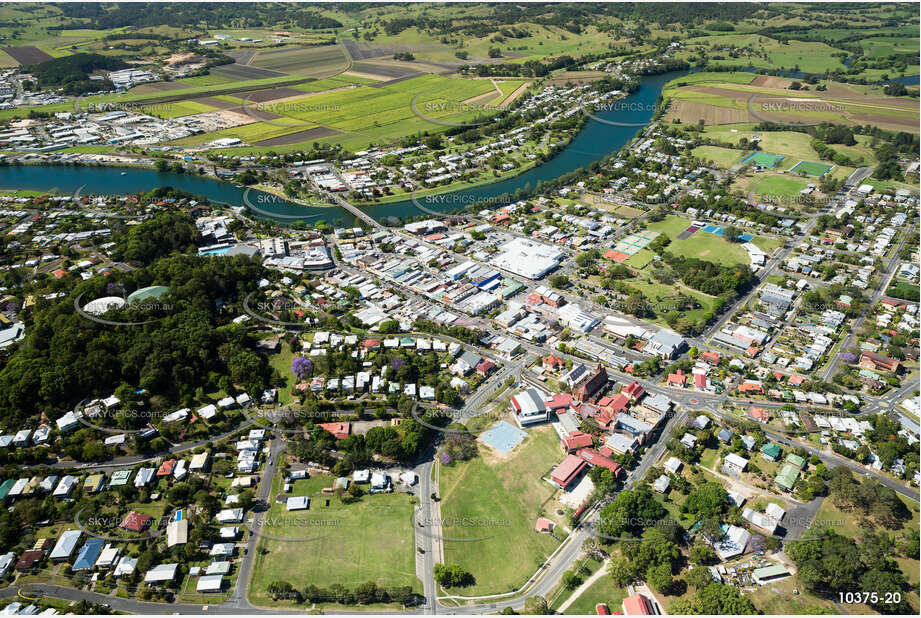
column 732, row 98
column 308, row 61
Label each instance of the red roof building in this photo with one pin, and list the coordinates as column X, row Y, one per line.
column 166, row 468
column 568, row 471
column 712, row 358
column 485, row 368
column 638, row 605
column 759, row 414
column 560, row 401
column 553, row 363
column 588, row 388
column 28, row 559
column 619, row 403
column 677, row 379
column 135, row 522
column 543, row 525
column 575, row 441
column 371, row 343
column 871, row 360
column 634, row 391
column 750, row 387
column 340, row 431
column 601, row 609
column 594, row 458
column 700, row 380
column 796, row 379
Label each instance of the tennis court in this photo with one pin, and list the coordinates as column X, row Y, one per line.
column 764, row 159
column 503, row 437
column 617, row 256
column 631, row 244
column 812, row 169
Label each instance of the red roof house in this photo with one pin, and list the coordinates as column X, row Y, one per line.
column 759, row 414
column 135, row 522
column 700, row 380
column 552, row 363
column 340, row 431
column 485, row 368
column 166, row 468
column 543, row 525
column 712, row 358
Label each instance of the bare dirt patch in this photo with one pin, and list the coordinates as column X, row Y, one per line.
column 273, row 94
column 482, row 97
column 299, row 136
column 517, row 93
column 27, row 54
column 768, row 81
column 374, row 76
column 692, row 111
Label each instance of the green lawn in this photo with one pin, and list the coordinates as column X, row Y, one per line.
column 602, row 591
column 370, row 540
column 281, row 361
column 506, row 495
column 701, row 244
column 779, row 186
column 722, row 157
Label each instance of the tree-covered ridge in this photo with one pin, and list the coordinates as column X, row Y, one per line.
column 66, row 357
column 71, row 73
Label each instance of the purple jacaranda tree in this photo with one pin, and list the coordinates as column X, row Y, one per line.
column 301, row 366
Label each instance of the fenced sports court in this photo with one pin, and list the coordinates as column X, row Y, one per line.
column 812, row 169
column 764, row 159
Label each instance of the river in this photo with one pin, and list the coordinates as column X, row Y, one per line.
column 596, row 140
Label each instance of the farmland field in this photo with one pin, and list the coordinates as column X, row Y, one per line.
column 367, row 115
column 726, row 99
column 308, row 61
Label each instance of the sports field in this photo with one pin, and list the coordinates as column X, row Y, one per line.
column 764, row 159
column 504, row 494
column 369, row 540
column 782, row 186
column 811, row 169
